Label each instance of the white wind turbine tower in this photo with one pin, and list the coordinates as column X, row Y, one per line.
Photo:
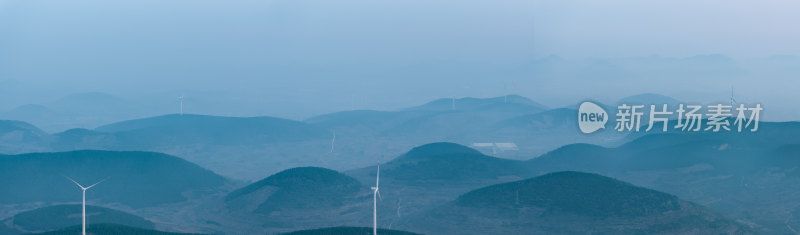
column 333, row 141
column 398, row 208
column 733, row 101
column 83, row 228
column 180, row 98
column 375, row 196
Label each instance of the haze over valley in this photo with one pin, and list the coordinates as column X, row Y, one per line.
column 354, row 117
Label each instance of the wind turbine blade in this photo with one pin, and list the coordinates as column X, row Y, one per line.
column 73, row 181
column 379, row 194
column 90, row 186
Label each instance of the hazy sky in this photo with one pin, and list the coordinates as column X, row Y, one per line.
column 678, row 28
column 324, row 56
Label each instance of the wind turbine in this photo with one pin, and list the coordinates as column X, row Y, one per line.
column 398, row 208
column 454, row 103
column 733, row 101
column 83, row 228
column 181, row 100
column 375, row 196
column 333, row 141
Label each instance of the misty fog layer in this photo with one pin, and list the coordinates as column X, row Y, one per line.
column 298, row 59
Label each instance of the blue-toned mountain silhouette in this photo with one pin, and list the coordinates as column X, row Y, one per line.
column 62, row 216
column 296, row 188
column 725, row 171
column 444, row 162
column 469, row 104
column 77, row 110
column 199, row 129
column 431, row 174
column 570, row 203
column 302, row 197
column 648, row 99
column 348, row 231
column 438, row 118
column 210, row 141
column 137, row 179
column 111, row 229
column 21, row 137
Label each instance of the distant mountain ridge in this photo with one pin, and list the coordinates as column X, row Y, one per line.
column 191, row 128
column 206, row 139
column 342, row 140
column 470, row 103
column 21, row 137
column 649, row 99
column 77, row 110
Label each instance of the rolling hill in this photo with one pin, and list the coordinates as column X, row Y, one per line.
column 577, row 157
column 348, row 231
column 364, row 121
column 300, row 198
column 648, row 99
column 231, row 146
column 435, row 173
column 79, row 138
column 296, row 189
column 745, row 176
column 570, row 203
column 62, row 216
column 137, row 179
column 730, row 151
column 111, row 229
column 470, row 103
column 555, row 119
column 470, row 119
column 437, row 118
column 210, row 140
column 20, row 137
column 200, row 129
column 444, row 162
column 78, row 110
